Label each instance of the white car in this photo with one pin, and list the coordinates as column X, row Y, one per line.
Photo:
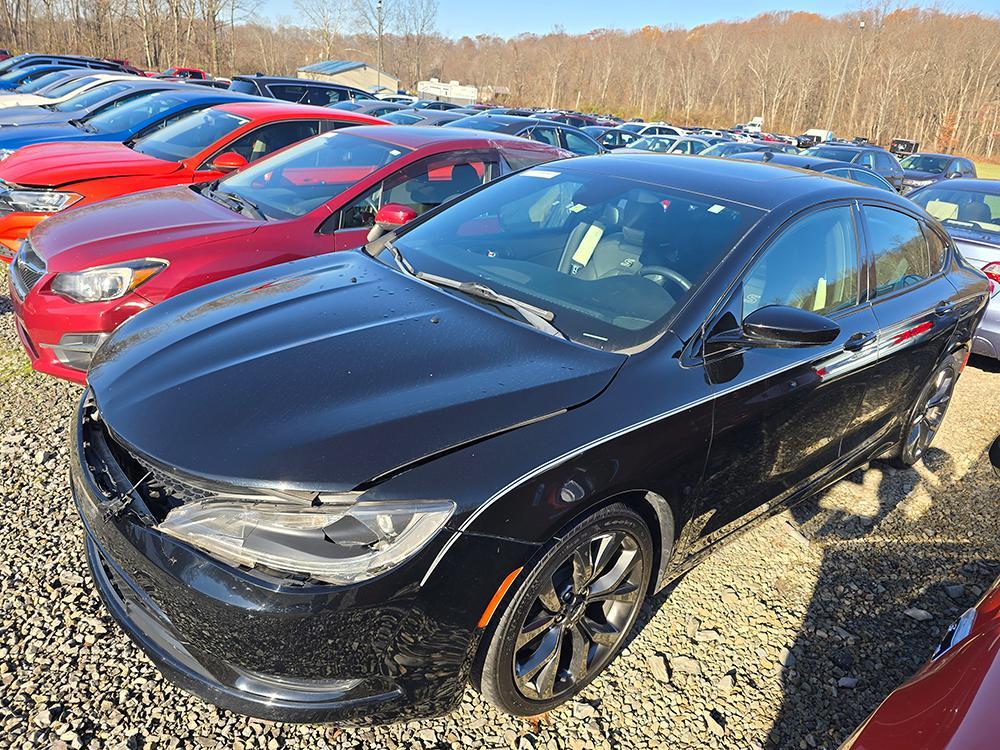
column 60, row 92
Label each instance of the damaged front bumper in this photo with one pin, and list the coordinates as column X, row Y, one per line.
column 383, row 650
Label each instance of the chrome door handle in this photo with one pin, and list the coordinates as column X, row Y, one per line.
column 859, row 341
column 943, row 308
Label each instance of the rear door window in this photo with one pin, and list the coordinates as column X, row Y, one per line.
column 899, row 249
column 269, row 138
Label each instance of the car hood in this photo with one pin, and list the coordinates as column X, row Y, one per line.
column 22, row 100
column 18, row 117
column 56, row 164
column 27, row 134
column 327, row 373
column 149, row 223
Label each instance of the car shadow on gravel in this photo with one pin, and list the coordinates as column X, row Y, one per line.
column 856, row 643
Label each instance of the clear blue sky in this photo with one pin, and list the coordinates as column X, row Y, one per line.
column 510, row 17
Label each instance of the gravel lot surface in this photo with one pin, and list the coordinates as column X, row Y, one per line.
column 788, row 638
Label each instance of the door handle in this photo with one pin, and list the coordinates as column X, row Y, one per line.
column 859, row 341
column 943, row 308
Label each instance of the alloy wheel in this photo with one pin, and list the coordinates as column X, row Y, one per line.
column 580, row 614
column 928, row 417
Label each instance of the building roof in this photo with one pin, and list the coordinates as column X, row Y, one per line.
column 333, row 67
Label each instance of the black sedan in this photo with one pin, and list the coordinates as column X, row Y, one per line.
column 920, row 170
column 341, row 488
column 545, row 131
column 874, row 158
column 827, row 166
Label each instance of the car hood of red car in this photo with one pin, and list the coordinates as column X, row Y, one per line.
column 355, row 369
column 154, row 223
column 61, row 164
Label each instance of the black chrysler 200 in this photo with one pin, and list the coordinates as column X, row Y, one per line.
column 342, row 488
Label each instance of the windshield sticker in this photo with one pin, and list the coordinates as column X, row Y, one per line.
column 545, row 174
column 716, row 209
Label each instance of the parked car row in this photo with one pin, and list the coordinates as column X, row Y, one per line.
column 445, row 400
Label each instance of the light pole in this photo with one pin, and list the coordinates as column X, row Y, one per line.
column 378, row 11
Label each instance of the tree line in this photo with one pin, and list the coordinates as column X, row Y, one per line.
column 880, row 72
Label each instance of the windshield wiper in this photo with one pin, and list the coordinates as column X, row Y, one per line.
column 403, row 263
column 82, row 126
column 539, row 317
column 234, row 202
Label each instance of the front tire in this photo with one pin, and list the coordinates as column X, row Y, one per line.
column 571, row 614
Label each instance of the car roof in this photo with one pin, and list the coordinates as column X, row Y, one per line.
column 415, row 136
column 275, row 108
column 761, row 185
column 935, row 153
column 291, row 79
column 851, row 146
column 513, row 120
column 794, row 160
column 970, row 183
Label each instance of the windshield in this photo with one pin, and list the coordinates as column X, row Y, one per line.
column 92, row 96
column 962, row 211
column 837, row 154
column 926, row 163
column 729, row 148
column 309, row 174
column 476, row 123
column 16, row 75
column 41, row 82
column 69, row 86
column 402, row 118
column 135, row 112
column 659, row 144
column 183, row 139
column 612, row 258
column 243, row 87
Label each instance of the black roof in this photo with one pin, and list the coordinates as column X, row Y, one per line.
column 513, row 123
column 801, row 161
column 291, row 79
column 761, row 185
column 851, row 146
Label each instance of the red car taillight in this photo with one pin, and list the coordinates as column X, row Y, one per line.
column 992, row 271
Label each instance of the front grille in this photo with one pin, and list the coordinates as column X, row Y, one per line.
column 26, row 269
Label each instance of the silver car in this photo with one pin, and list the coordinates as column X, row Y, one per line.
column 970, row 211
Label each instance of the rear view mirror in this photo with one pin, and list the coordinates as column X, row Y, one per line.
column 780, row 326
column 229, row 161
column 391, row 216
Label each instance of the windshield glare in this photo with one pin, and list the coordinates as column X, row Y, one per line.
column 962, row 211
column 307, row 175
column 578, row 243
column 127, row 116
column 189, row 135
column 90, row 97
column 926, row 163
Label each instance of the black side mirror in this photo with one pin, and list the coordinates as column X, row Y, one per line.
column 780, row 326
column 995, row 456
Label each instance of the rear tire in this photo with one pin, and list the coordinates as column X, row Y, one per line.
column 570, row 615
column 927, row 415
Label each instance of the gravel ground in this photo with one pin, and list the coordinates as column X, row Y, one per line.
column 787, row 638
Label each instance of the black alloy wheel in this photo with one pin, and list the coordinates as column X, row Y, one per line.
column 927, row 416
column 571, row 615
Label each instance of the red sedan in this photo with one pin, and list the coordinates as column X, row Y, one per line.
column 38, row 181
column 81, row 274
column 952, row 702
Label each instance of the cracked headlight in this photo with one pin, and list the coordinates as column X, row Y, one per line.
column 41, row 201
column 338, row 539
column 106, row 282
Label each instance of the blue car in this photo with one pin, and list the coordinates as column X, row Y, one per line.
column 52, row 78
column 20, row 76
column 86, row 104
column 134, row 118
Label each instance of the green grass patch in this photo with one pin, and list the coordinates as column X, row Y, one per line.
column 988, row 171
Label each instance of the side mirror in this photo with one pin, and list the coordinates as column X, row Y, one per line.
column 229, row 161
column 995, row 456
column 391, row 216
column 779, row 326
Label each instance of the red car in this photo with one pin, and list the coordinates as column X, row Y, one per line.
column 81, row 274
column 43, row 179
column 193, row 74
column 952, row 702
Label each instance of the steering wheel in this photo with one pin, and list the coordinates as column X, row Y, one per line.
column 665, row 273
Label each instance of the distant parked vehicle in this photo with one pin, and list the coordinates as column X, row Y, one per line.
column 875, row 158
column 397, row 98
column 610, row 138
column 14, row 79
column 327, row 193
column 371, row 107
column 920, row 170
column 554, row 134
column 296, row 90
column 78, row 61
column 195, row 74
column 812, row 137
column 201, row 147
column 901, row 147
column 82, row 105
column 831, row 167
column 666, row 144
column 969, row 210
column 65, row 88
column 4, row 54
column 575, row 119
column 728, row 149
column 423, row 117
column 654, row 128
column 433, row 104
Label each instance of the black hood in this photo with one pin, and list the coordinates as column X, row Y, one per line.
column 325, row 373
